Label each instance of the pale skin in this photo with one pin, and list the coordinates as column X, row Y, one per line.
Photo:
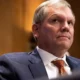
column 56, row 33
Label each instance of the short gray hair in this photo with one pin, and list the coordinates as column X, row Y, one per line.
column 40, row 12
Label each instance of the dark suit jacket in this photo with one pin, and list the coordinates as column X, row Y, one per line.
column 27, row 66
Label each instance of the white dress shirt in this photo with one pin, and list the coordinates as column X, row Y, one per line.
column 52, row 70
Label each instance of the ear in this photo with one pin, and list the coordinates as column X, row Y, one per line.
column 35, row 30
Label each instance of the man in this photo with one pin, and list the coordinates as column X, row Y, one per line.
column 53, row 29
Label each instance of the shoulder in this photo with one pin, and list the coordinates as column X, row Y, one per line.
column 21, row 57
column 11, row 63
column 15, row 56
column 73, row 59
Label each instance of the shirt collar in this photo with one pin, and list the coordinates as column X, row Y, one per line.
column 48, row 57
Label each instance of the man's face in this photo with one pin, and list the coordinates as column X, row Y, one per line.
column 57, row 29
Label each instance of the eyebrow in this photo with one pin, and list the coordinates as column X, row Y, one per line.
column 61, row 16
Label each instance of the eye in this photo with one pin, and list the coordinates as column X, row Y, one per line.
column 55, row 20
column 70, row 23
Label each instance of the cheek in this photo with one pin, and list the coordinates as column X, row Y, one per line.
column 47, row 34
column 72, row 35
column 48, row 31
column 72, row 32
column 50, row 35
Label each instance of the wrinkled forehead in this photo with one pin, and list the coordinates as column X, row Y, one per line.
column 60, row 10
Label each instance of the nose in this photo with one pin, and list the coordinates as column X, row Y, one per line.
column 65, row 27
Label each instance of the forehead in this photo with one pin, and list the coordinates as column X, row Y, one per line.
column 65, row 12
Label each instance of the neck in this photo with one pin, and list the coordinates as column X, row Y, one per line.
column 57, row 52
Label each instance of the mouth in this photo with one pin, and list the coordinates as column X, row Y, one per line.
column 64, row 37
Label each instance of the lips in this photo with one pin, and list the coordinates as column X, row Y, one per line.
column 64, row 36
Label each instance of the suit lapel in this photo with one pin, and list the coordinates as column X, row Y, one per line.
column 38, row 70
column 37, row 67
column 73, row 63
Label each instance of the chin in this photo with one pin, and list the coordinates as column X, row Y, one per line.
column 65, row 45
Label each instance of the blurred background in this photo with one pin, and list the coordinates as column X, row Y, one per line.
column 16, row 21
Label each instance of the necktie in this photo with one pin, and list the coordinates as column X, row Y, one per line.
column 60, row 65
